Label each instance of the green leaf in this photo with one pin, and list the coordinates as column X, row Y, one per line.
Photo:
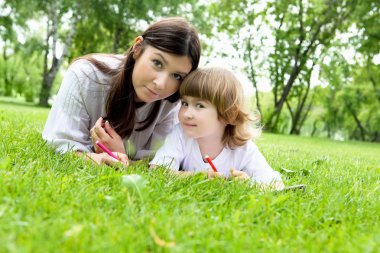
column 135, row 184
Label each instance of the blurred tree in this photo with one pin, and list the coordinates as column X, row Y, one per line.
column 303, row 30
column 56, row 11
column 241, row 20
column 367, row 39
column 336, row 73
column 109, row 26
column 75, row 28
column 299, row 32
column 9, row 18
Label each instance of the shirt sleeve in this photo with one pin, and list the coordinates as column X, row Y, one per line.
column 67, row 126
column 172, row 152
column 256, row 166
column 160, row 132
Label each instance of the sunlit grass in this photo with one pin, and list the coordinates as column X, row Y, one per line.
column 54, row 203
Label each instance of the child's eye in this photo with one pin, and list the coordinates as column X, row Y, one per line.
column 157, row 63
column 184, row 103
column 198, row 105
column 177, row 77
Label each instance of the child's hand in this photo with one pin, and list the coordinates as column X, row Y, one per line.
column 276, row 185
column 238, row 175
column 212, row 174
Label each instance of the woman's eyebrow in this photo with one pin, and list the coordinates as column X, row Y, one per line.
column 162, row 57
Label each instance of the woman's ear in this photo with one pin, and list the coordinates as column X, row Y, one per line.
column 137, row 47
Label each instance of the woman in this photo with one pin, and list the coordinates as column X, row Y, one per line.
column 129, row 102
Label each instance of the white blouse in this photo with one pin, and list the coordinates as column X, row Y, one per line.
column 81, row 101
column 181, row 152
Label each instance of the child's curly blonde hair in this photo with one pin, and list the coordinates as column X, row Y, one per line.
column 225, row 92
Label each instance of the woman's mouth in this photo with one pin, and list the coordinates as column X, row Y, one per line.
column 152, row 93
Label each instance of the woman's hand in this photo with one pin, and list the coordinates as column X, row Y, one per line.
column 238, row 175
column 104, row 158
column 103, row 132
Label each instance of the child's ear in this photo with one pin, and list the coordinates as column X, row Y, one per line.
column 222, row 120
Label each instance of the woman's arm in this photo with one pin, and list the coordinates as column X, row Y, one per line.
column 67, row 126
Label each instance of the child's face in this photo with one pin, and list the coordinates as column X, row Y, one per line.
column 199, row 118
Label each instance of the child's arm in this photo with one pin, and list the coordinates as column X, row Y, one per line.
column 209, row 173
column 275, row 185
column 258, row 169
column 241, row 175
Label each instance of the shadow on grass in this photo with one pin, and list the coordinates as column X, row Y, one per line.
column 12, row 101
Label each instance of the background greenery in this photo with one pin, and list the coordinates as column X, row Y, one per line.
column 320, row 57
column 54, row 203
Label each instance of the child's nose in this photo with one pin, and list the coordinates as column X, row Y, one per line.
column 189, row 113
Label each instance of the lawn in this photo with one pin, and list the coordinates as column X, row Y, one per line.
column 61, row 203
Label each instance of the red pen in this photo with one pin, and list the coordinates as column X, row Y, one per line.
column 211, row 164
column 106, row 149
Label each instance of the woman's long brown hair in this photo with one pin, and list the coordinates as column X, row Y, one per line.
column 171, row 35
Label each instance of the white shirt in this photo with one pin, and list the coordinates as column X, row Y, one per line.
column 81, row 101
column 181, row 152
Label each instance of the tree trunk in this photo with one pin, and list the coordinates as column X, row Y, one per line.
column 116, row 40
column 47, row 82
column 358, row 123
column 297, row 120
column 372, row 79
column 314, row 128
column 7, row 82
column 119, row 27
column 50, row 74
column 252, row 74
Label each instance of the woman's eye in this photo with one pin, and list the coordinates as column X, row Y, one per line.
column 177, row 77
column 157, row 63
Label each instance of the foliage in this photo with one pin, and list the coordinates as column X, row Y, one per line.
column 97, row 26
column 291, row 43
column 61, row 203
column 298, row 36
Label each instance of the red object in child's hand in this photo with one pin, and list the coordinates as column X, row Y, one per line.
column 211, row 164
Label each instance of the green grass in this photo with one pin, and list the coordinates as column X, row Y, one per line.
column 54, row 203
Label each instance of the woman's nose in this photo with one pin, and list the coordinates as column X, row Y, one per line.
column 160, row 81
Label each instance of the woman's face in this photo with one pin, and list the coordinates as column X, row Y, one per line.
column 157, row 74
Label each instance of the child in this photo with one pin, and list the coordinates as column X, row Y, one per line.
column 213, row 122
